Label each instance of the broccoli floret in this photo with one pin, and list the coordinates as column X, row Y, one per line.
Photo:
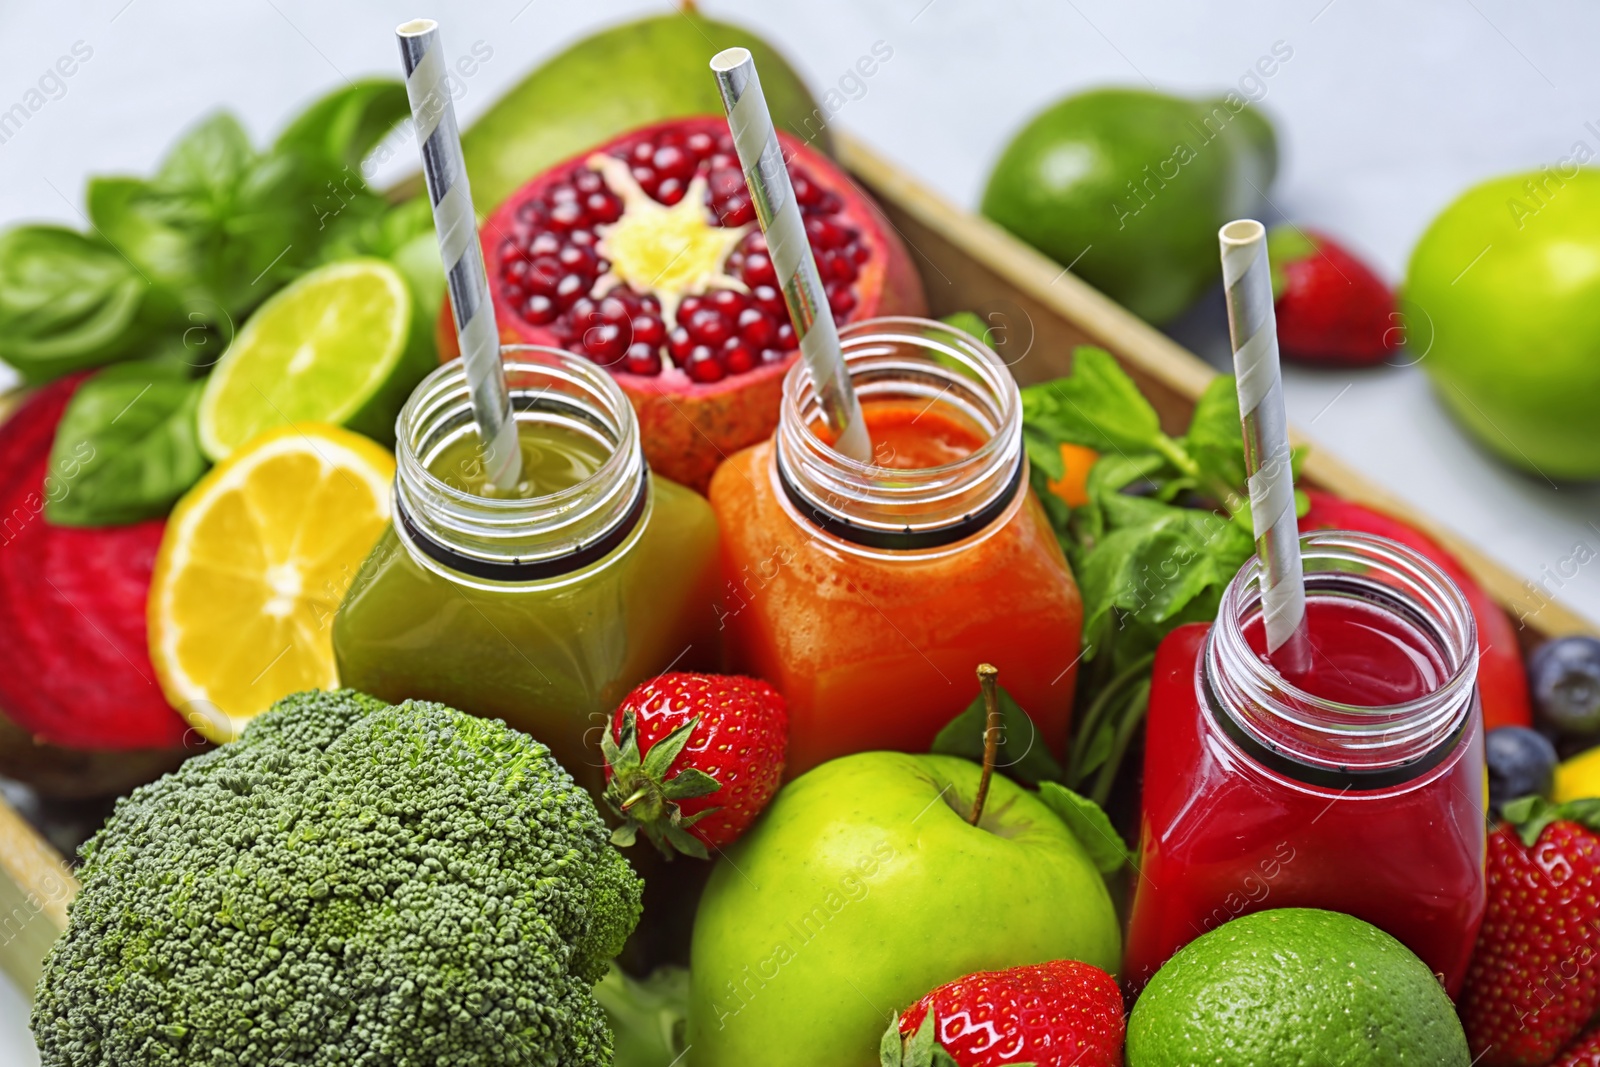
column 348, row 884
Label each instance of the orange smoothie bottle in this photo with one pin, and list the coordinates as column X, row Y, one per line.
column 868, row 592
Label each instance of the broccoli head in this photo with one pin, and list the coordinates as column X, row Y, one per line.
column 351, row 883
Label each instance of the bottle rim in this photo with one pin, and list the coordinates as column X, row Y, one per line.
column 520, row 539
column 876, row 505
column 1326, row 742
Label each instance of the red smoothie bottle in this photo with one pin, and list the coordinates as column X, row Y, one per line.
column 1357, row 787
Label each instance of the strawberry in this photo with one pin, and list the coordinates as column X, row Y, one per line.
column 1331, row 308
column 1584, row 1052
column 1535, row 977
column 1059, row 1014
column 691, row 759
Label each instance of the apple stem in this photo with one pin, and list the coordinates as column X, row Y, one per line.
column 686, row 7
column 991, row 737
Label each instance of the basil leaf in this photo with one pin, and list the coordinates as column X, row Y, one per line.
column 207, row 164
column 68, row 301
column 128, row 435
column 1021, row 753
column 337, row 132
column 136, row 218
column 1090, row 825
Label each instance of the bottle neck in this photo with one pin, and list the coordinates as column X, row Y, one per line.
column 1324, row 742
column 928, row 371
column 525, row 538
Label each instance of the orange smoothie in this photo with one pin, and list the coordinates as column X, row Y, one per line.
column 875, row 648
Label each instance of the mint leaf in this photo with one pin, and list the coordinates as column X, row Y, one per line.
column 1090, row 825
column 1216, row 442
column 1021, row 754
column 1098, row 406
column 126, row 447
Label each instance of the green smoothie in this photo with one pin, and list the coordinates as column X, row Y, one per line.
column 552, row 656
column 555, row 457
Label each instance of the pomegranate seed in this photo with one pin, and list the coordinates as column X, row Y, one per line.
column 737, row 211
column 772, row 355
column 842, row 301
column 544, row 244
column 700, row 143
column 670, row 191
column 514, row 293
column 561, row 194
column 805, row 193
column 725, row 182
column 566, row 215
column 709, row 326
column 670, row 137
column 689, row 306
column 758, row 269
column 581, row 238
column 515, row 269
column 571, row 288
column 702, row 366
column 604, row 343
column 722, row 159
column 540, row 310
column 647, row 179
column 603, row 207
column 727, row 301
column 785, row 341
column 577, row 259
column 588, row 181
column 544, row 274
column 769, row 300
column 511, row 252
column 738, row 357
column 583, row 311
column 680, row 344
column 647, row 329
column 641, row 359
column 643, row 152
column 755, row 328
column 614, row 311
column 670, row 161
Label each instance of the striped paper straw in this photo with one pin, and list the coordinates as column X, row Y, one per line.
column 1248, row 278
column 779, row 215
column 445, row 170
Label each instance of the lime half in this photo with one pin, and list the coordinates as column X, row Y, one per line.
column 330, row 348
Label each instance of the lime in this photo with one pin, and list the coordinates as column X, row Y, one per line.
column 330, row 348
column 1295, row 986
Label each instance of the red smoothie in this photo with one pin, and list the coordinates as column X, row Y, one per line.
column 1249, row 803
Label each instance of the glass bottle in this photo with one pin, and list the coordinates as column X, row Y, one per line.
column 1357, row 788
column 869, row 592
column 546, row 605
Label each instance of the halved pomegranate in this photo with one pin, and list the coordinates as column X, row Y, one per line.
column 644, row 255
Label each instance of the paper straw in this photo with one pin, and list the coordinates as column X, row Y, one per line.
column 439, row 140
column 1248, row 280
column 779, row 215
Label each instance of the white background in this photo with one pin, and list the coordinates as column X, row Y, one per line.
column 1385, row 112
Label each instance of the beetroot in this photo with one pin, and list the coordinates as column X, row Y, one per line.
column 75, row 673
column 644, row 255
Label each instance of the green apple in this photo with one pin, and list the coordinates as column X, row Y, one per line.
column 861, row 888
column 1502, row 301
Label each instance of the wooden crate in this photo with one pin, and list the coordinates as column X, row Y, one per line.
column 967, row 263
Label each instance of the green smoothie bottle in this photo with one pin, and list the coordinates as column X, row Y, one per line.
column 545, row 604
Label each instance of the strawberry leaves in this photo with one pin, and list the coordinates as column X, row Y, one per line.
column 921, row 1049
column 645, row 798
column 1531, row 814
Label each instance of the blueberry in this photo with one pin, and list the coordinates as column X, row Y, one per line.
column 1565, row 677
column 1521, row 762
